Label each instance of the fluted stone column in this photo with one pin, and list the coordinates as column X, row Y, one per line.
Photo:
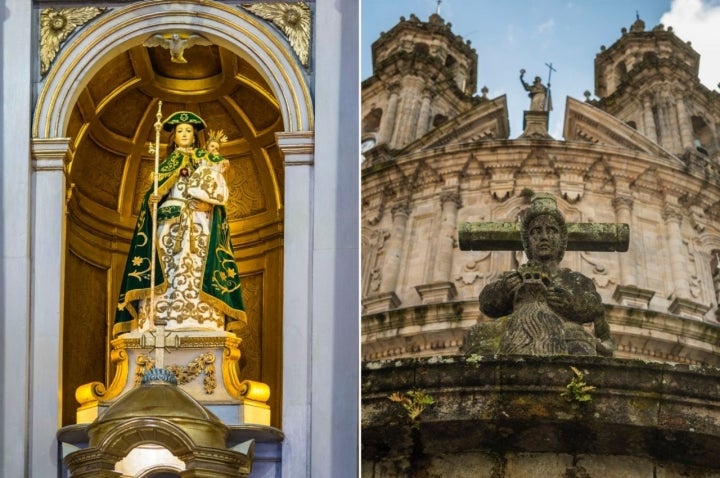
column 650, row 128
column 406, row 121
column 408, row 110
column 400, row 123
column 387, row 127
column 675, row 142
column 423, row 122
column 665, row 119
column 686, row 133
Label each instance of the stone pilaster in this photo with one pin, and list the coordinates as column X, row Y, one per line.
column 387, row 126
column 441, row 288
column 49, row 157
column 423, row 122
column 402, row 120
column 394, row 245
column 451, row 202
column 387, row 298
column 686, row 134
column 623, row 214
column 678, row 256
column 649, row 126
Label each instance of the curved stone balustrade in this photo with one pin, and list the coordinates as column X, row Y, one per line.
column 506, row 413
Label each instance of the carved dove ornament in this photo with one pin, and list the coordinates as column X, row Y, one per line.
column 176, row 43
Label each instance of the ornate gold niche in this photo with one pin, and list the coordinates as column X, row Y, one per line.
column 109, row 169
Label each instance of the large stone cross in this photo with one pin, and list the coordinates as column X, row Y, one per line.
column 546, row 306
column 505, row 236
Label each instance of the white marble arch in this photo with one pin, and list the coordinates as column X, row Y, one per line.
column 308, row 315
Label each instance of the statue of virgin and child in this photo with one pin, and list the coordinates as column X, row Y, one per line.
column 196, row 284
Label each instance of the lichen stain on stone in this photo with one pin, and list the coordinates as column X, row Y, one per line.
column 525, row 407
column 441, row 359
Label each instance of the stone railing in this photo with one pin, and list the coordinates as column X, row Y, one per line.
column 508, row 416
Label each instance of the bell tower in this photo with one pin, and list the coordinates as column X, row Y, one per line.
column 423, row 75
column 649, row 79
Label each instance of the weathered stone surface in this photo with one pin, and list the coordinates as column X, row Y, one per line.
column 648, row 413
column 537, row 464
column 505, row 236
column 547, row 306
column 615, row 466
column 629, row 157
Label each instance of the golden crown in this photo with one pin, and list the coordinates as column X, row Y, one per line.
column 218, row 136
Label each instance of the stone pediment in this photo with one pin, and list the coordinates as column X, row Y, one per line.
column 488, row 120
column 584, row 122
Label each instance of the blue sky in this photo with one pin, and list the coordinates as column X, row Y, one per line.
column 512, row 34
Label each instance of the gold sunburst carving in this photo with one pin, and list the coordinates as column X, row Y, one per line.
column 56, row 25
column 293, row 19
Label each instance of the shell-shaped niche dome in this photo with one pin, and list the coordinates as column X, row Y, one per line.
column 159, row 408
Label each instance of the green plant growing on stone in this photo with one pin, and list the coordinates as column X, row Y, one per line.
column 414, row 402
column 474, row 359
column 578, row 390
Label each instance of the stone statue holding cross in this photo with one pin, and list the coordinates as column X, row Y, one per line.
column 548, row 307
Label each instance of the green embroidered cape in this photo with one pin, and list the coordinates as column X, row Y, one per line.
column 220, row 279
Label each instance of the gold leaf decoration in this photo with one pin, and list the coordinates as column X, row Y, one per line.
column 218, row 136
column 293, row 19
column 204, row 363
column 56, row 25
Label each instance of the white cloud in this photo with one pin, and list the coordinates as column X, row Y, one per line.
column 698, row 21
column 546, row 26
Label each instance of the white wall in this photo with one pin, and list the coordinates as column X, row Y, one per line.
column 335, row 331
column 15, row 235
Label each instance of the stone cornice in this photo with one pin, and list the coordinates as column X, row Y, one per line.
column 628, row 167
column 50, row 154
column 487, row 120
column 392, row 333
column 298, row 147
column 495, row 403
column 585, row 122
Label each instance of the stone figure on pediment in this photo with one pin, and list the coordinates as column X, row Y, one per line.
column 536, row 91
column 551, row 310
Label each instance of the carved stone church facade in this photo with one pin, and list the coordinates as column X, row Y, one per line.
column 437, row 155
column 645, row 153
